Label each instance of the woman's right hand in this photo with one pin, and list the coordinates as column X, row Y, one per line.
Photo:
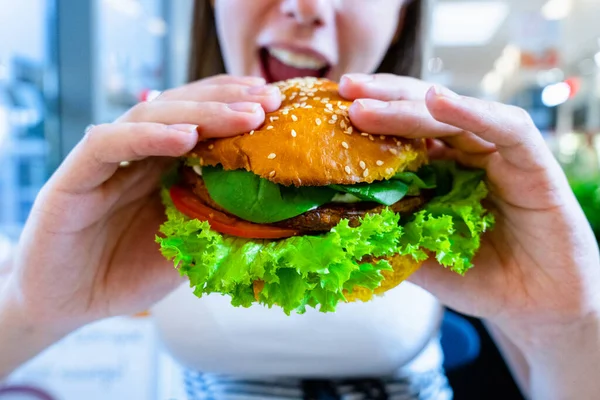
column 88, row 250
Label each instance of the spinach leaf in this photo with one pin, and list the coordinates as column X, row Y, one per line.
column 384, row 192
column 259, row 200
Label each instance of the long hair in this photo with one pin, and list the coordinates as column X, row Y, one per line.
column 404, row 56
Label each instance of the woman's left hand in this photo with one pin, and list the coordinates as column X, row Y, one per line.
column 537, row 274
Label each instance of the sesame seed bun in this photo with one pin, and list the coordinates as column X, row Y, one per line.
column 310, row 141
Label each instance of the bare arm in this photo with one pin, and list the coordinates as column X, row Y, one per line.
column 563, row 368
column 20, row 338
column 514, row 358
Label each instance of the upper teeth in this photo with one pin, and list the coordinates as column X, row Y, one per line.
column 297, row 60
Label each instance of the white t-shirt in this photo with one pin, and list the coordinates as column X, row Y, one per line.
column 389, row 335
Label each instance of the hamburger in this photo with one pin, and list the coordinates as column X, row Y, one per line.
column 308, row 211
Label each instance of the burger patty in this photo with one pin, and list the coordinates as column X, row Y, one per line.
column 322, row 219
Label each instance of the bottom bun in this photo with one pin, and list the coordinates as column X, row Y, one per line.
column 402, row 268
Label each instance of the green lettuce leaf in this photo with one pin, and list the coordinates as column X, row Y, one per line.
column 314, row 270
column 386, row 192
column 393, row 190
column 259, row 200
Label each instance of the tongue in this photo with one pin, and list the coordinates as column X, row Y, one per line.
column 278, row 71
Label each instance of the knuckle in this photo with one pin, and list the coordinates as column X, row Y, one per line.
column 168, row 94
column 137, row 112
column 523, row 116
column 94, row 133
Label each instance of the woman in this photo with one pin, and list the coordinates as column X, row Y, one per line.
column 88, row 252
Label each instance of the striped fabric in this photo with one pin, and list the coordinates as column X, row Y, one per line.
column 431, row 385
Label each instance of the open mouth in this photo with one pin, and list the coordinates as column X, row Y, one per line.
column 280, row 64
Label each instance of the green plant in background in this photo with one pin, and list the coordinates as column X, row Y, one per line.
column 578, row 154
column 588, row 195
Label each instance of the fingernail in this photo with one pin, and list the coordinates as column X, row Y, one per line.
column 372, row 104
column 359, row 78
column 250, row 108
column 445, row 92
column 254, row 80
column 186, row 128
column 262, row 90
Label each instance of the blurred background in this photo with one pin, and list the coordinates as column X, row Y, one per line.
column 65, row 64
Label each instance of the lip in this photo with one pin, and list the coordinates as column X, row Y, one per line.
column 263, row 52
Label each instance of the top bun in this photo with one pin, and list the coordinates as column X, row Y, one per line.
column 310, row 141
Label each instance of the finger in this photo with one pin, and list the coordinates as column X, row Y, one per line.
column 209, row 116
column 382, row 87
column 411, row 119
column 96, row 158
column 216, row 80
column 269, row 97
column 98, row 155
column 224, row 79
column 509, row 128
column 436, row 149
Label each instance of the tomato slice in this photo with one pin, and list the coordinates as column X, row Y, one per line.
column 189, row 204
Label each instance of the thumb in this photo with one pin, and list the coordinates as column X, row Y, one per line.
column 464, row 294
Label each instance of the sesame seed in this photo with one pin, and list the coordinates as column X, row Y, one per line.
column 394, row 151
column 364, row 134
column 366, row 173
column 339, row 103
column 348, row 170
column 308, row 106
column 201, row 161
column 317, row 98
column 271, row 174
column 331, row 122
column 302, row 93
column 343, row 124
column 329, row 106
column 274, row 119
column 350, row 130
column 382, row 137
column 211, row 146
column 285, row 112
column 294, row 118
column 293, row 133
column 389, row 171
column 296, row 105
column 371, row 138
column 334, row 117
column 326, row 98
column 283, row 97
column 379, row 163
column 303, row 98
column 362, row 164
column 345, row 145
column 251, row 133
column 269, row 127
column 318, row 121
column 311, row 94
column 343, row 107
column 340, row 112
column 272, row 156
column 328, row 111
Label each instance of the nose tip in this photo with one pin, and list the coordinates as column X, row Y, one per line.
column 304, row 12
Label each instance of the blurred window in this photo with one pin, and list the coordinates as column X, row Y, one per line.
column 24, row 110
